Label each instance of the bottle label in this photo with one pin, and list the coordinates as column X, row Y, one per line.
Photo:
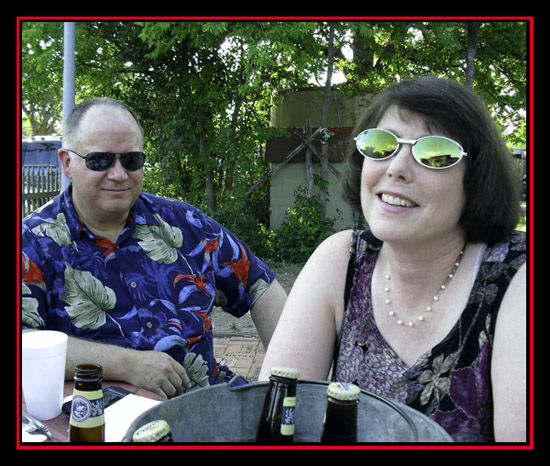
column 287, row 421
column 87, row 409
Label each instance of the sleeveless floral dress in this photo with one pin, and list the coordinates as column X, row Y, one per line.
column 451, row 383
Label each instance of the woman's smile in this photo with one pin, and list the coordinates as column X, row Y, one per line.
column 396, row 200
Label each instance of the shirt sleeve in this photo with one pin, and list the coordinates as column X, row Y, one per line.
column 33, row 294
column 241, row 277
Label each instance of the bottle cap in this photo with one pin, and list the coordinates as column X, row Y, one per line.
column 151, row 432
column 343, row 391
column 286, row 372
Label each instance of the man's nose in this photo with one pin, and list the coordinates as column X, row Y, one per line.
column 117, row 171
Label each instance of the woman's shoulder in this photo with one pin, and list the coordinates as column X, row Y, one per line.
column 511, row 251
column 330, row 257
column 338, row 241
column 351, row 240
column 333, row 252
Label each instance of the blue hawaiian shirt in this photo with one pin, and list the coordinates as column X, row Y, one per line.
column 154, row 289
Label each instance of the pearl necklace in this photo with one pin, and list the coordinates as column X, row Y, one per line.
column 435, row 299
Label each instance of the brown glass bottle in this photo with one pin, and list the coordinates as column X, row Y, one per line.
column 87, row 422
column 277, row 419
column 154, row 432
column 340, row 426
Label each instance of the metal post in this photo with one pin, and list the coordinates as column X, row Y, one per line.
column 68, row 80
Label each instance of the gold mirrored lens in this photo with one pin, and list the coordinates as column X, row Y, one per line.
column 376, row 144
column 437, row 152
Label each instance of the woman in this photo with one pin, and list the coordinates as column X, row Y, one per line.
column 428, row 308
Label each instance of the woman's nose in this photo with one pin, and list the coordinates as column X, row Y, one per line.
column 401, row 165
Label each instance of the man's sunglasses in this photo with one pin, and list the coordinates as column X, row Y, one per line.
column 435, row 152
column 101, row 161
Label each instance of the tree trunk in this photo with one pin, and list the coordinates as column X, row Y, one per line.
column 309, row 162
column 473, row 37
column 209, row 173
column 324, row 122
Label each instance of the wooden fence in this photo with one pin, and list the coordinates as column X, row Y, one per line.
column 40, row 184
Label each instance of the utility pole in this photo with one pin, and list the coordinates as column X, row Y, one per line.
column 68, row 80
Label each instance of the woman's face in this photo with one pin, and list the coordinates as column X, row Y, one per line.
column 405, row 202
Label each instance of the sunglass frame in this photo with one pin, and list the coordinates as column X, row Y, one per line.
column 88, row 161
column 412, row 142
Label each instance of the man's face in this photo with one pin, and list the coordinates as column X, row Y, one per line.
column 104, row 198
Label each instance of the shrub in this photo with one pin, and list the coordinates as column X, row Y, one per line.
column 242, row 221
column 302, row 229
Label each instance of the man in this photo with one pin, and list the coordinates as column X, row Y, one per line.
column 132, row 277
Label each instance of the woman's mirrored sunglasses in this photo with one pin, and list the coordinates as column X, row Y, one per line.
column 101, row 161
column 435, row 152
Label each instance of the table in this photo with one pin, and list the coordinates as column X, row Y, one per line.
column 59, row 426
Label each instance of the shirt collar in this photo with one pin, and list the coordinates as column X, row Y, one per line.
column 140, row 214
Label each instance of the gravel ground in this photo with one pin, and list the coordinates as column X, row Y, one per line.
column 226, row 326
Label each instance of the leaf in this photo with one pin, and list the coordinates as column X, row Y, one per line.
column 57, row 230
column 160, row 242
column 166, row 343
column 449, row 362
column 29, row 307
column 87, row 299
column 199, row 284
column 165, row 302
column 185, row 292
column 197, row 370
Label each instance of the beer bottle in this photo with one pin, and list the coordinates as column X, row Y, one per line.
column 87, row 422
column 154, row 432
column 340, row 425
column 277, row 419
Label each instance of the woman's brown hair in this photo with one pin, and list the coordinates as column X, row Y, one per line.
column 491, row 184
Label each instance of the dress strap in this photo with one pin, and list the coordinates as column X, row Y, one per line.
column 352, row 265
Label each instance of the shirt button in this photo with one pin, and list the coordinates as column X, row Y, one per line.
column 133, row 284
column 149, row 325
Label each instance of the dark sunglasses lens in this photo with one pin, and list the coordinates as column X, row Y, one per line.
column 376, row 144
column 132, row 160
column 100, row 161
column 437, row 152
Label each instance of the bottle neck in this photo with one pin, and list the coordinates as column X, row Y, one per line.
column 87, row 385
column 285, row 380
column 284, row 384
column 340, row 422
column 88, row 377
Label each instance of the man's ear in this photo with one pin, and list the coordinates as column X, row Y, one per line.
column 65, row 159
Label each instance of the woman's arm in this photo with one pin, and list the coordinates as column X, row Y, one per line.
column 306, row 333
column 509, row 363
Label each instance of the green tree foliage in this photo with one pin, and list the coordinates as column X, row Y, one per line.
column 203, row 89
column 42, row 72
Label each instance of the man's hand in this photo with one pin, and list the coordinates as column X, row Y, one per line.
column 152, row 370
column 157, row 372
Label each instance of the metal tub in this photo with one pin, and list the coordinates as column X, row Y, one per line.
column 223, row 413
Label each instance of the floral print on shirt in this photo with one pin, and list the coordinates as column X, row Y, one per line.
column 154, row 289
